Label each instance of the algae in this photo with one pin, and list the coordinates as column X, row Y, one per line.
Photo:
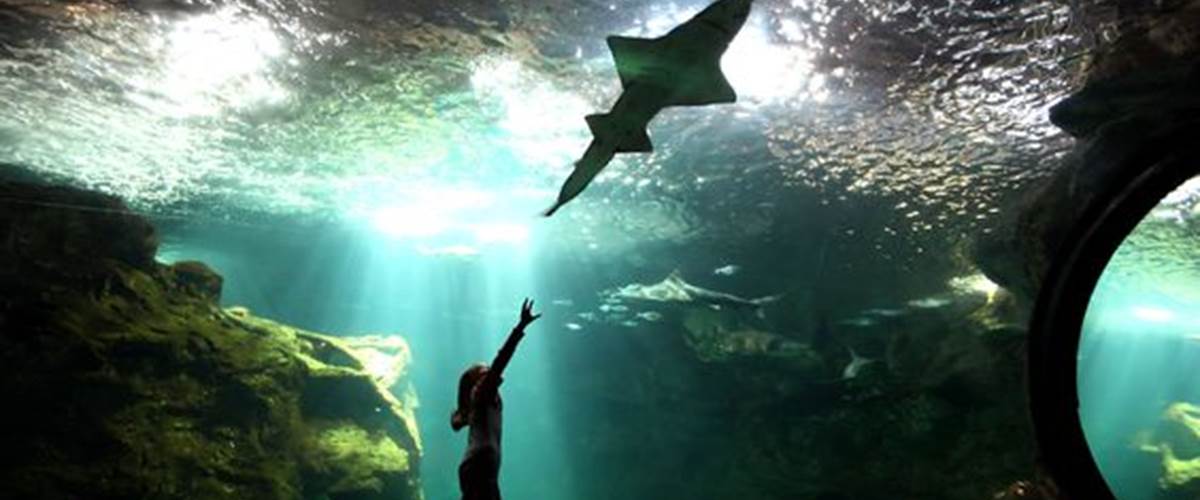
column 125, row 379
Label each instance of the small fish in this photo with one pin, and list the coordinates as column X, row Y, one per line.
column 855, row 365
column 587, row 316
column 574, row 326
column 614, row 308
column 859, row 322
column 887, row 313
column 629, row 323
column 563, row 302
column 929, row 303
column 650, row 316
column 727, row 270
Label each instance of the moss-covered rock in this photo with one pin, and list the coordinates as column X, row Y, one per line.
column 1176, row 442
column 123, row 378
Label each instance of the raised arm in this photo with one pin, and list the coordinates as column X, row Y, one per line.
column 495, row 372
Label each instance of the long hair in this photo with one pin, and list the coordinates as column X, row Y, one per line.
column 466, row 383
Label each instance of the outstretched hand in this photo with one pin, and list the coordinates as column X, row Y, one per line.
column 527, row 315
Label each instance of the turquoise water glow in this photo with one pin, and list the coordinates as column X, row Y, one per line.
column 454, row 310
column 1140, row 347
column 377, row 167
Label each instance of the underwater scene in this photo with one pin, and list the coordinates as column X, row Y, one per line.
column 1138, row 392
column 740, row 249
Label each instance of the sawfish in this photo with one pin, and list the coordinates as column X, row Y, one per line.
column 681, row 68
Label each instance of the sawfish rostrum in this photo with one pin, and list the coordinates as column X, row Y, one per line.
column 681, row 68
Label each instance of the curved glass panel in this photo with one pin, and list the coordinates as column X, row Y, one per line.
column 1139, row 395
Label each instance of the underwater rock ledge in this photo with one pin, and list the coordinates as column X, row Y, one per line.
column 123, row 378
column 1139, row 104
column 1121, row 123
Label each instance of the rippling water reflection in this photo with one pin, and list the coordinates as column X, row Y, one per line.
column 232, row 109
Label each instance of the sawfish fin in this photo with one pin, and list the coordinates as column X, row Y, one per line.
column 647, row 60
column 705, row 85
column 856, row 363
column 604, row 126
column 855, row 356
column 633, row 57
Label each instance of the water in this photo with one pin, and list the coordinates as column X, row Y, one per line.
column 1138, row 350
column 374, row 167
column 620, row 406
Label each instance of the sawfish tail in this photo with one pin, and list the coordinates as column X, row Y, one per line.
column 570, row 189
column 586, row 168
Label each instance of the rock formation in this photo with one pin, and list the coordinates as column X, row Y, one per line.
column 1140, row 97
column 729, row 411
column 1176, row 441
column 123, row 378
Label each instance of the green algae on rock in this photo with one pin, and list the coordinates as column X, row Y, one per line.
column 123, row 378
column 1176, row 442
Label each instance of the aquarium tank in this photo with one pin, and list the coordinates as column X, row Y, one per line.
column 248, row 248
column 1140, row 343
